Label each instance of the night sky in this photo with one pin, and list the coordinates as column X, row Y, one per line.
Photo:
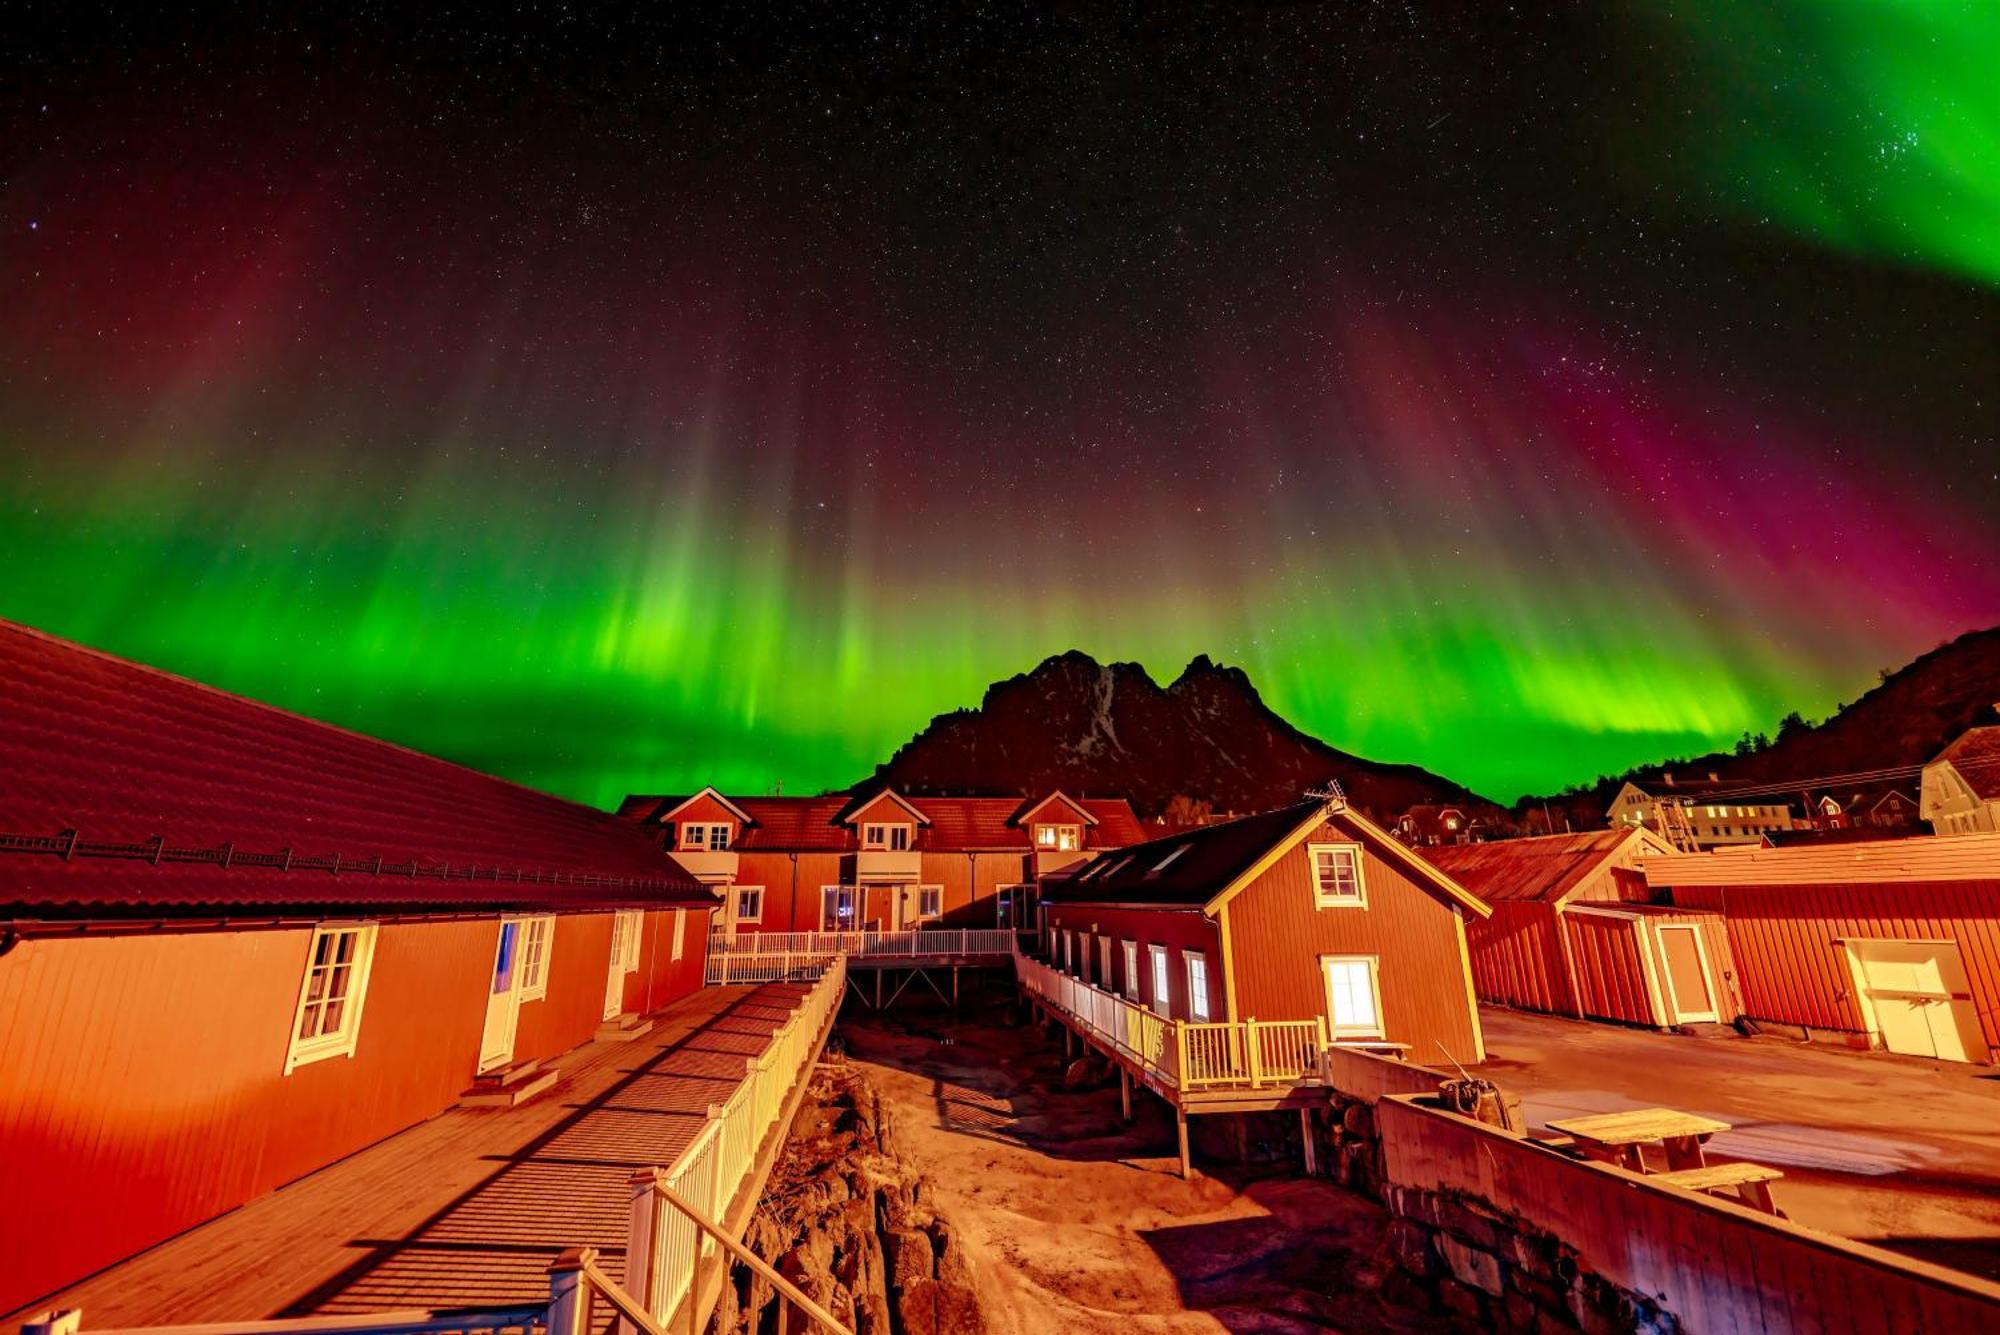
column 631, row 404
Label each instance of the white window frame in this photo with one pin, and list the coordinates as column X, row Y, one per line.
column 736, row 903
column 853, row 894
column 680, row 933
column 1104, row 962
column 1321, row 899
column 714, row 837
column 1049, row 836
column 1334, row 1028
column 1193, row 961
column 1065, row 934
column 1131, row 970
column 883, row 836
column 338, row 1042
column 932, row 914
column 1160, row 978
column 538, row 940
column 627, row 925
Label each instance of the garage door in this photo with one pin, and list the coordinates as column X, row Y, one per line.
column 1916, row 998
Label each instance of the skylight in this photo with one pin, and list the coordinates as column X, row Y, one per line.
column 1167, row 861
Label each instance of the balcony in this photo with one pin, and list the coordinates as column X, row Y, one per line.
column 875, row 866
column 710, row 866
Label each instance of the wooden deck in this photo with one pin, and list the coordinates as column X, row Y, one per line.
column 467, row 1208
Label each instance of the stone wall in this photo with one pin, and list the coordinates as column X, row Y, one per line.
column 852, row 1224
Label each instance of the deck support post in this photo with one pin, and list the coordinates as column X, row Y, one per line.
column 569, row 1295
column 1242, row 1138
column 1306, row 1139
column 954, row 987
column 1181, row 1132
column 1124, row 1094
column 878, row 988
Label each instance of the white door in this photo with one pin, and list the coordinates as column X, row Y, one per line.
column 1689, row 993
column 503, row 1001
column 625, row 926
column 1915, row 995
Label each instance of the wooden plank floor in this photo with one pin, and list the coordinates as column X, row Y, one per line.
column 468, row 1208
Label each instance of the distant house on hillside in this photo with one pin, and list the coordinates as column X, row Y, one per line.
column 1961, row 787
column 1718, row 811
column 1308, row 912
column 1573, row 931
column 880, row 861
column 1830, row 813
column 1428, row 825
column 1893, row 810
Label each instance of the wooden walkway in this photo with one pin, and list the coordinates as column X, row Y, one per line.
column 468, row 1208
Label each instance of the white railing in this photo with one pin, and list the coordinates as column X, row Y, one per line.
column 673, row 1239
column 762, row 957
column 1180, row 1053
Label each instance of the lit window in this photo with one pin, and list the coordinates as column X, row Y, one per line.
column 1197, row 979
column 1132, row 969
column 1337, row 875
column 536, row 936
column 1061, row 838
column 1163, row 982
column 328, row 1020
column 1352, row 1003
column 930, row 902
column 749, row 903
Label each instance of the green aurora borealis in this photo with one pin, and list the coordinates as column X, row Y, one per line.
column 610, row 488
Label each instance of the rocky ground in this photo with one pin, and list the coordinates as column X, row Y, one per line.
column 946, row 1180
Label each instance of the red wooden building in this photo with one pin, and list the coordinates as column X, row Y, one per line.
column 880, row 861
column 1893, row 943
column 1573, row 932
column 1304, row 912
column 237, row 944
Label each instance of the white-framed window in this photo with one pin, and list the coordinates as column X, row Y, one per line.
column 749, row 903
column 1353, row 996
column 1197, row 984
column 1163, row 982
column 1059, row 838
column 697, row 835
column 895, row 838
column 327, row 1020
column 680, row 932
column 1104, row 963
column 1066, row 935
column 626, row 925
column 1337, row 875
column 1132, row 970
column 930, row 902
column 839, row 908
column 538, row 937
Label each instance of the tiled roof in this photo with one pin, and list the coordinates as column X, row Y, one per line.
column 1544, row 868
column 1975, row 754
column 1204, row 862
column 814, row 824
column 183, row 798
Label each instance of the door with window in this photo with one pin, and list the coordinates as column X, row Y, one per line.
column 503, row 1000
column 625, row 927
column 1915, row 995
column 1353, row 997
column 1163, row 982
column 839, row 908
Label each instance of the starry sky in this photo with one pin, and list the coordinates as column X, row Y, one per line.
column 625, row 402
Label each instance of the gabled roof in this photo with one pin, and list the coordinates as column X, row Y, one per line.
column 127, row 791
column 1975, row 754
column 667, row 813
column 1029, row 810
column 1545, row 869
column 852, row 814
column 820, row 824
column 1211, row 865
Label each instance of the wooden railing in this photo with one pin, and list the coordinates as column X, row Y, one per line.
column 674, row 1243
column 1179, row 1053
column 762, row 957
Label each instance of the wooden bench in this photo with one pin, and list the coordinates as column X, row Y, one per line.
column 1751, row 1182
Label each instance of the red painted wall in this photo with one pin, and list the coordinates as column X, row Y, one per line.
column 1790, row 968
column 1278, row 932
column 1177, row 931
column 1517, row 958
column 142, row 1083
column 1605, row 952
column 968, row 884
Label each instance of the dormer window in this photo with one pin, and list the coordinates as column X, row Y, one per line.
column 1059, row 838
column 698, row 836
column 894, row 838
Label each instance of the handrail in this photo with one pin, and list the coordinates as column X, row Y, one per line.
column 751, row 1259
column 408, row 1321
column 614, row 1292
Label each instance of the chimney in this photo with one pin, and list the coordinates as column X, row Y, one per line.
column 1714, row 777
column 1668, row 778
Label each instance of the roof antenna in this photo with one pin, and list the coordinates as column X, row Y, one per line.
column 1330, row 795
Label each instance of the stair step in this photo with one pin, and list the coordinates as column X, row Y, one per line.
column 510, row 1095
column 624, row 1030
column 511, row 1075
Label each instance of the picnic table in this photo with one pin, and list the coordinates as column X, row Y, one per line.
column 1618, row 1138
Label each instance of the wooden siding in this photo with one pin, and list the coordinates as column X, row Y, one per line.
column 1177, row 931
column 1517, row 958
column 1792, row 970
column 969, row 882
column 142, row 1083
column 1610, row 972
column 791, row 886
column 1278, row 932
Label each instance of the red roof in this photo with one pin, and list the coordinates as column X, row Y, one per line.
column 806, row 824
column 128, row 789
column 1544, row 868
column 1976, row 756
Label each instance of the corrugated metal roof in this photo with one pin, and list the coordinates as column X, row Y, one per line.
column 182, row 797
column 1957, row 857
column 1544, row 868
